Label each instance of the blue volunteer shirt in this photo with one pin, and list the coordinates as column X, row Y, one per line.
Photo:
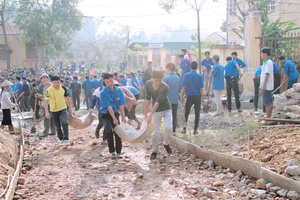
column 185, row 66
column 258, row 71
column 134, row 80
column 290, row 69
column 87, row 85
column 218, row 77
column 133, row 90
column 207, row 63
column 193, row 82
column 276, row 69
column 240, row 62
column 174, row 83
column 111, row 98
column 124, row 81
column 96, row 83
column 230, row 69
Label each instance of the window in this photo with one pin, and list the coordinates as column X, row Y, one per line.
column 232, row 7
column 272, row 5
column 30, row 52
column 2, row 52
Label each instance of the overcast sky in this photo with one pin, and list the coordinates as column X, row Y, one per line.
column 146, row 15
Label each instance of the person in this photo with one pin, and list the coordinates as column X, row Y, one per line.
column 116, row 77
column 192, row 87
column 184, row 65
column 48, row 123
column 6, row 105
column 184, row 53
column 34, row 99
column 217, row 83
column 25, row 95
column 131, row 102
column 134, row 81
column 174, row 83
column 161, row 108
column 207, row 62
column 57, row 96
column 148, row 72
column 232, row 76
column 122, row 67
column 75, row 88
column 82, row 68
column 19, row 88
column 96, row 101
column 112, row 100
column 277, row 78
column 290, row 72
column 267, row 80
column 238, row 60
column 123, row 80
column 108, row 67
column 96, row 83
column 256, row 81
column 87, row 85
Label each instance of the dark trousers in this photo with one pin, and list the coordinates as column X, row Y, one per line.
column 76, row 101
column 108, row 131
column 37, row 111
column 196, row 101
column 88, row 96
column 24, row 103
column 99, row 126
column 277, row 79
column 174, row 116
column 256, row 81
column 61, row 120
column 232, row 83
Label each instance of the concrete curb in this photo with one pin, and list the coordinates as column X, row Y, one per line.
column 251, row 168
column 12, row 186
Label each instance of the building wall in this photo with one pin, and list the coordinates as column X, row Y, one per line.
column 284, row 9
column 217, row 38
column 18, row 56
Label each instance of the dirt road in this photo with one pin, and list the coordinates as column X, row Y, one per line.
column 86, row 171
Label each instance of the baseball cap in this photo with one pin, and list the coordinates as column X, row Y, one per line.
column 45, row 74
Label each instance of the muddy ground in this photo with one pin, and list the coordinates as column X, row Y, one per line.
column 86, row 171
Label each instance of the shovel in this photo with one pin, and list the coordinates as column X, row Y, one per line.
column 33, row 129
column 206, row 106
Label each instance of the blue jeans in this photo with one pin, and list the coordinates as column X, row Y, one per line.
column 61, row 119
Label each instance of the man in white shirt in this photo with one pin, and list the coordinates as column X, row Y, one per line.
column 267, row 80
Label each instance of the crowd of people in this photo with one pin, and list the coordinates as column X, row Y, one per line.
column 115, row 95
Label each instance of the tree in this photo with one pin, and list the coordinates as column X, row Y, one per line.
column 224, row 26
column 48, row 25
column 6, row 10
column 196, row 5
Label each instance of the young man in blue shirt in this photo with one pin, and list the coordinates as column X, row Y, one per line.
column 290, row 71
column 184, row 65
column 87, row 85
column 232, row 76
column 112, row 100
column 238, row 60
column 174, row 83
column 217, row 83
column 206, row 63
column 192, row 87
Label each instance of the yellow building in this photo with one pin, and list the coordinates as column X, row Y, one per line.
column 286, row 10
column 21, row 56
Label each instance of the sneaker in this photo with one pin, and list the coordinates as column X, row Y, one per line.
column 113, row 155
column 104, row 142
column 153, row 156
column 168, row 149
column 183, row 131
column 195, row 132
column 97, row 135
column 66, row 142
column 51, row 133
column 239, row 110
column 43, row 135
column 119, row 155
column 61, row 143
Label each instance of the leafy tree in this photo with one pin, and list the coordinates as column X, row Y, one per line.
column 48, row 25
column 224, row 26
column 196, row 5
column 6, row 10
